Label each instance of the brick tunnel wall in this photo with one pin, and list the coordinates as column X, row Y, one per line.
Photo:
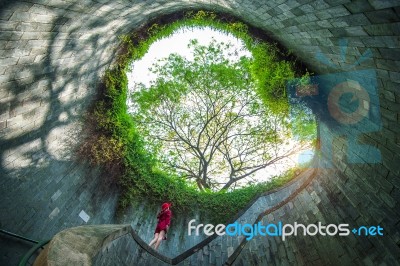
column 54, row 53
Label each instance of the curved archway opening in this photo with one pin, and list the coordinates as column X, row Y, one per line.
column 197, row 99
column 249, row 95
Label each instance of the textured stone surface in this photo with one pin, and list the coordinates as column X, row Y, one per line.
column 53, row 54
column 78, row 245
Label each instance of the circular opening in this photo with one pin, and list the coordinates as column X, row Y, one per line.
column 132, row 156
column 196, row 100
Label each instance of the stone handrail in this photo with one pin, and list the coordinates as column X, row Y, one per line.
column 78, row 245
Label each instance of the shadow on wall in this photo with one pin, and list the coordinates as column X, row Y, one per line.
column 47, row 91
column 54, row 59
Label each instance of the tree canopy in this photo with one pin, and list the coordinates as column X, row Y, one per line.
column 205, row 121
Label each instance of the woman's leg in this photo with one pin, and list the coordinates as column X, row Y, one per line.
column 154, row 239
column 159, row 239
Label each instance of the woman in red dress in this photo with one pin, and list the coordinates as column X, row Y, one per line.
column 164, row 219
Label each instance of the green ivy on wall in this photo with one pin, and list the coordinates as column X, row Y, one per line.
column 115, row 141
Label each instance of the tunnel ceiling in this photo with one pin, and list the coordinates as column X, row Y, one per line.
column 52, row 59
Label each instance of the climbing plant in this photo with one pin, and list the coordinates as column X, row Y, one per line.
column 117, row 139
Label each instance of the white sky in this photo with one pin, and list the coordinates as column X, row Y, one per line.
column 177, row 43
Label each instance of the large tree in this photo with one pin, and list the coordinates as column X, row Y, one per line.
column 205, row 121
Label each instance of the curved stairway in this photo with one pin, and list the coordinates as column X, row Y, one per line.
column 121, row 245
